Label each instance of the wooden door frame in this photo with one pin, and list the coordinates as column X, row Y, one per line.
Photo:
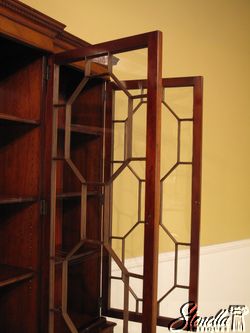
column 153, row 42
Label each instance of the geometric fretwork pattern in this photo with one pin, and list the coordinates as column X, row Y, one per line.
column 74, row 255
column 129, row 224
column 124, row 128
column 164, row 222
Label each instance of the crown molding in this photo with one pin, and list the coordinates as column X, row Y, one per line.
column 27, row 25
column 23, row 13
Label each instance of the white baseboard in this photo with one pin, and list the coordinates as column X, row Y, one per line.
column 132, row 263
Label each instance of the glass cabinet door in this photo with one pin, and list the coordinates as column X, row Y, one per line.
column 122, row 152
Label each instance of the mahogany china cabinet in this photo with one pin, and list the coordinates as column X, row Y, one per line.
column 58, row 170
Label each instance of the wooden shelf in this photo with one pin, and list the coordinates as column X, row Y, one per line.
column 85, row 323
column 7, row 200
column 108, row 327
column 98, row 325
column 77, row 258
column 82, row 320
column 91, row 130
column 75, row 195
column 11, row 274
column 85, row 130
column 9, row 119
column 69, row 195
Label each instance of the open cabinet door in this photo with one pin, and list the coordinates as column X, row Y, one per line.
column 178, row 221
column 82, row 186
column 112, row 195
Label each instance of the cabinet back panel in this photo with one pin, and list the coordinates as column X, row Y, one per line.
column 19, row 235
column 83, row 289
column 71, row 223
column 18, row 304
column 71, row 212
column 87, row 156
column 88, row 107
column 19, row 160
column 21, row 88
column 94, row 218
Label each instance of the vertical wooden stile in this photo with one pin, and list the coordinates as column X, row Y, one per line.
column 152, row 202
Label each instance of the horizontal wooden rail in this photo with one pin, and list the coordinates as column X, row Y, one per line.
column 111, row 47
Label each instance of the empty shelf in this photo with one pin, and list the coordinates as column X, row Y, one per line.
column 72, row 195
column 11, row 274
column 8, row 199
column 8, row 118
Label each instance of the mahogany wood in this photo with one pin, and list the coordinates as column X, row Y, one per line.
column 26, row 82
column 196, row 190
column 11, row 274
column 21, row 95
column 82, row 290
column 5, row 199
column 152, row 198
column 111, row 47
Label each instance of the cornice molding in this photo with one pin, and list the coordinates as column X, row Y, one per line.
column 32, row 14
column 67, row 37
column 54, row 37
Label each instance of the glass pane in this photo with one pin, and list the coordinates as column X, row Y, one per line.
column 180, row 100
column 169, row 141
column 143, row 185
column 166, row 264
column 117, row 247
column 183, row 267
column 121, row 106
column 115, row 270
column 170, row 306
column 116, row 166
column 176, row 208
column 118, row 145
column 134, row 241
column 186, row 141
column 125, row 203
column 139, row 131
column 117, row 294
column 132, row 65
column 139, row 168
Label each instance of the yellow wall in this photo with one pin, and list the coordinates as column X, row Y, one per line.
column 209, row 38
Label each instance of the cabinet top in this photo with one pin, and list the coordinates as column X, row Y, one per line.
column 27, row 25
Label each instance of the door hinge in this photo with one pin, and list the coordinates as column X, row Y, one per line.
column 43, row 207
column 47, row 73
